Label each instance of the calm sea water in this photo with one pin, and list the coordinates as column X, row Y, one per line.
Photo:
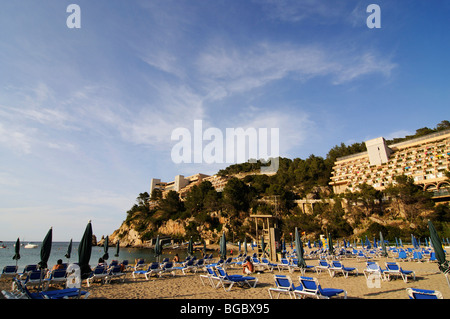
column 31, row 256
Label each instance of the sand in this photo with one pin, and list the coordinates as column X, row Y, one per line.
column 190, row 286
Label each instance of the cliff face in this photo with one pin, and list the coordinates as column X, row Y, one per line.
column 128, row 236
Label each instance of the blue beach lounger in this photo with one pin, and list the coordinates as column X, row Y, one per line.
column 337, row 266
column 235, row 279
column 416, row 293
column 284, row 285
column 21, row 292
column 311, row 287
column 393, row 268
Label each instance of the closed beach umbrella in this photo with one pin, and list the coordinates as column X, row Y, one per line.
column 383, row 246
column 299, row 249
column 69, row 250
column 157, row 248
column 190, row 248
column 438, row 250
column 105, row 248
column 414, row 242
column 204, row 247
column 16, row 256
column 46, row 248
column 245, row 245
column 117, row 249
column 367, row 243
column 223, row 246
column 330, row 244
column 84, row 251
column 263, row 245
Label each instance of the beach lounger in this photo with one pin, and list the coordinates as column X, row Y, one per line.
column 235, row 279
column 416, row 293
column 373, row 270
column 55, row 277
column 29, row 268
column 211, row 276
column 200, row 264
column 22, row 292
column 432, row 257
column 417, row 256
column 270, row 265
column 229, row 263
column 323, row 265
column 219, row 263
column 362, row 255
column 9, row 272
column 166, row 268
column 113, row 263
column 115, row 272
column 26, row 270
column 139, row 265
column 311, row 287
column 402, row 255
column 188, row 266
column 302, row 269
column 284, row 285
column 284, row 264
column 98, row 273
column 393, row 268
column 153, row 268
column 259, row 265
column 208, row 258
column 126, row 264
column 336, row 267
column 33, row 278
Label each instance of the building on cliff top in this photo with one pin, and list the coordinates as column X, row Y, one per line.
column 182, row 184
column 425, row 159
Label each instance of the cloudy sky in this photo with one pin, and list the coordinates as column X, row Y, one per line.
column 86, row 114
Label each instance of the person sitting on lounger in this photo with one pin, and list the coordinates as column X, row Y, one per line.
column 248, row 266
column 59, row 265
column 176, row 258
column 101, row 262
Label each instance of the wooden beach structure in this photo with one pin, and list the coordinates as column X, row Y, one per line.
column 267, row 228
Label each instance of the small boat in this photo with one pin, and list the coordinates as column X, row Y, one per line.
column 29, row 245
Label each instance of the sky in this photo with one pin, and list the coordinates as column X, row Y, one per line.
column 87, row 114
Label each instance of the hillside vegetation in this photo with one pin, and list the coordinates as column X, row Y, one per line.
column 398, row 211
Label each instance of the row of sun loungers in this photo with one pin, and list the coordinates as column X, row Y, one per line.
column 308, row 287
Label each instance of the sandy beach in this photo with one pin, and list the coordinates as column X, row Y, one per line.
column 190, row 286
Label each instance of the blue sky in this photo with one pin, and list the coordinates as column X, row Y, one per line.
column 86, row 115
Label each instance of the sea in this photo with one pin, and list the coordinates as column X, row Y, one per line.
column 32, row 256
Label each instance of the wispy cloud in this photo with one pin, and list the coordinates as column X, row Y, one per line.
column 16, row 140
column 298, row 10
column 240, row 70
